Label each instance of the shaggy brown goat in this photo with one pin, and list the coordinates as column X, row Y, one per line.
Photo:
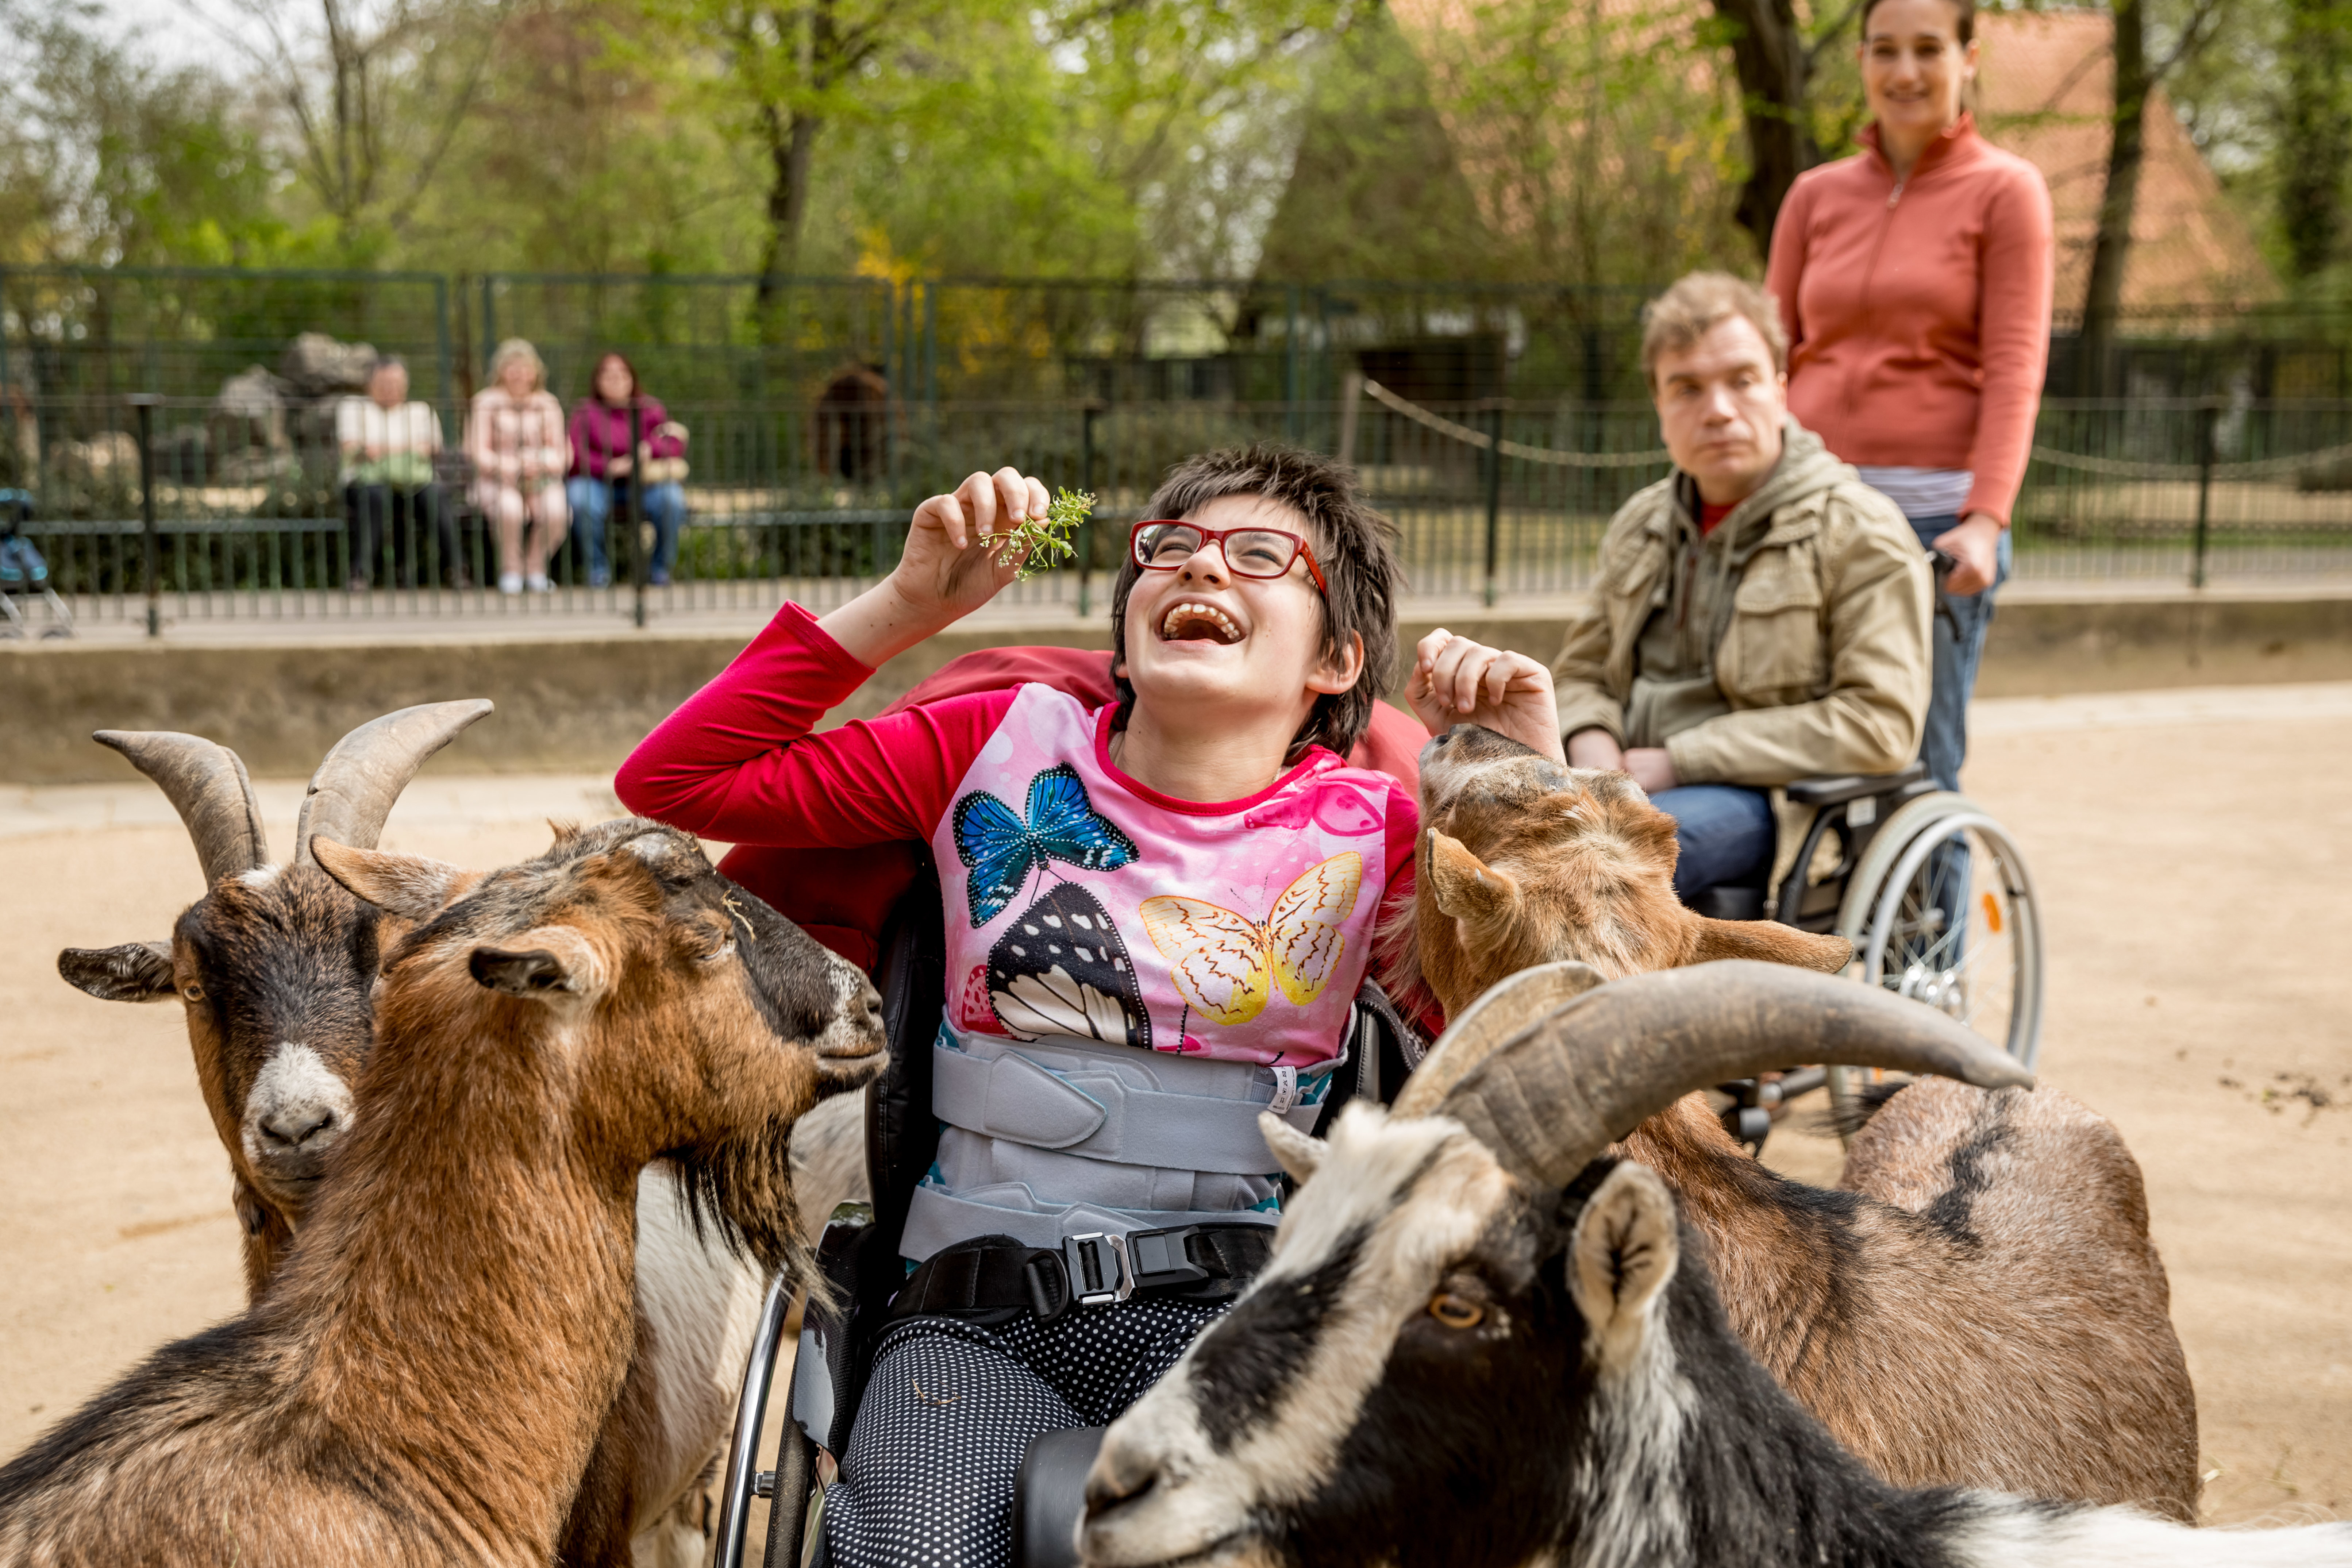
column 427, row 1379
column 1978, row 1302
column 274, row 966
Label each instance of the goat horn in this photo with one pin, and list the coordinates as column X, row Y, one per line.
column 1552, row 1097
column 1502, row 1012
column 206, row 785
column 355, row 788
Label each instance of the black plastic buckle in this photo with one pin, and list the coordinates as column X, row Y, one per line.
column 1161, row 1258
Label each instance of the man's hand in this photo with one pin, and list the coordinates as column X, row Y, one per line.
column 1651, row 768
column 1597, row 750
column 1974, row 545
column 1457, row 682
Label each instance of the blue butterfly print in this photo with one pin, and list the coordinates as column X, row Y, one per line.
column 1001, row 850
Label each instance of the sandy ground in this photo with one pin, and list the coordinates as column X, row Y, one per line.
column 2193, row 858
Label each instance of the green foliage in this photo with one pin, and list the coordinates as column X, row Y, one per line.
column 105, row 157
column 1040, row 544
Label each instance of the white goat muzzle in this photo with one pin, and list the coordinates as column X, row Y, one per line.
column 296, row 1110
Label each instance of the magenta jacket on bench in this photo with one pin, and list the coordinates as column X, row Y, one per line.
column 600, row 432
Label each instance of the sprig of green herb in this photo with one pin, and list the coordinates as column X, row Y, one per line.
column 1039, row 542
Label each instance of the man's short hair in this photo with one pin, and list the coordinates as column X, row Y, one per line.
column 1694, row 305
column 1354, row 544
column 386, row 362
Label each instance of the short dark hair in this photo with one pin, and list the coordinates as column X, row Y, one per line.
column 1354, row 544
column 1964, row 18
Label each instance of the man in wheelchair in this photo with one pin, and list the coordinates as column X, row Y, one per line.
column 1158, row 912
column 1761, row 615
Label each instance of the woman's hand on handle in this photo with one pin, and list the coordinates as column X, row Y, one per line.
column 1974, row 545
column 1457, row 682
column 948, row 568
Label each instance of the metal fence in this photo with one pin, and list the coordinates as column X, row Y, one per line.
column 183, row 331
column 174, row 509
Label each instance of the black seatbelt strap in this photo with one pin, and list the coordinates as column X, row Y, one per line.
column 997, row 1278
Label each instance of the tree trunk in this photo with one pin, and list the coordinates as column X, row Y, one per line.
column 1767, row 51
column 2127, row 151
column 2315, row 139
column 791, row 149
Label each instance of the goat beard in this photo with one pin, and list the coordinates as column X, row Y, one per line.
column 742, row 1190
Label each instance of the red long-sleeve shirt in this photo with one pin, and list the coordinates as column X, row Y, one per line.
column 1918, row 311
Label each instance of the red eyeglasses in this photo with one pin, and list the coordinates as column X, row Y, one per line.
column 1164, row 544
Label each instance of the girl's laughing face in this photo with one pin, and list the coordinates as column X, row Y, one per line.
column 1203, row 639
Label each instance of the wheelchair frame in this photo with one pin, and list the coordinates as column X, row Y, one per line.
column 1887, row 825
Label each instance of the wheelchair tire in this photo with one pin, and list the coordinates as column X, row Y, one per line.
column 1985, row 969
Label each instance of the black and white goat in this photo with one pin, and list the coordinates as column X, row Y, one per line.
column 1481, row 1344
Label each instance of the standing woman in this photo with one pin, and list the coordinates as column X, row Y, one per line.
column 514, row 434
column 1914, row 282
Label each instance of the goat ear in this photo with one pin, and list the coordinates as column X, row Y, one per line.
column 1299, row 1155
column 552, row 963
column 1772, row 943
column 1625, row 1249
column 1466, row 887
column 408, row 886
column 135, row 972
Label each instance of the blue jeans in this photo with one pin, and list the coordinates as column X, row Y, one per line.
column 1958, row 635
column 593, row 501
column 1726, row 833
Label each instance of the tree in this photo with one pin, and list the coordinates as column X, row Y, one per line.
column 2315, row 131
column 373, row 91
column 1776, row 65
column 110, row 159
column 2138, row 75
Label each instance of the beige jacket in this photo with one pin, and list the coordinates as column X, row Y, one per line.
column 1809, row 611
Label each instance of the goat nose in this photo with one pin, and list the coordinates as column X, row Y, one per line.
column 298, row 1125
column 1121, row 1475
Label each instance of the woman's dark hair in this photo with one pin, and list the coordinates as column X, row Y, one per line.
column 1355, row 545
column 597, row 375
column 1964, row 18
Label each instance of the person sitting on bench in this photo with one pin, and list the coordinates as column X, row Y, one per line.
column 1760, row 615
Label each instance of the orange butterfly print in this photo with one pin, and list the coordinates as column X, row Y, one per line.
column 1227, row 965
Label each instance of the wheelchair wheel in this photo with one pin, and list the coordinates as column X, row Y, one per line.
column 1941, row 909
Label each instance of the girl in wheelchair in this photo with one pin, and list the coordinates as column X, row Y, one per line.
column 1158, row 912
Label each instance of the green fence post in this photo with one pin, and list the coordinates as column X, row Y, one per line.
column 2208, row 417
column 1291, row 365
column 636, row 508
column 144, row 402
column 1087, row 527
column 1493, row 493
column 441, row 325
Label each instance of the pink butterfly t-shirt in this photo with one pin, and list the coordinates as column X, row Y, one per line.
column 1080, row 904
column 1083, row 905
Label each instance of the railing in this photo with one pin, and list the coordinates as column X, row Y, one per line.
column 218, row 516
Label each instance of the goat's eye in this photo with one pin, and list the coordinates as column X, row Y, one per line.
column 193, row 992
column 1456, row 1311
column 723, row 952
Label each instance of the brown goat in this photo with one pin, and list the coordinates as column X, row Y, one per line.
column 1977, row 1303
column 274, row 966
column 427, row 1377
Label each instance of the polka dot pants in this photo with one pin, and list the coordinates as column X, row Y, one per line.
column 952, row 1408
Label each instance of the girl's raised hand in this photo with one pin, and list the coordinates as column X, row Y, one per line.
column 951, row 566
column 1457, row 682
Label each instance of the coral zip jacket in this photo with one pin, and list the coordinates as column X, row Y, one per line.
column 1918, row 311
